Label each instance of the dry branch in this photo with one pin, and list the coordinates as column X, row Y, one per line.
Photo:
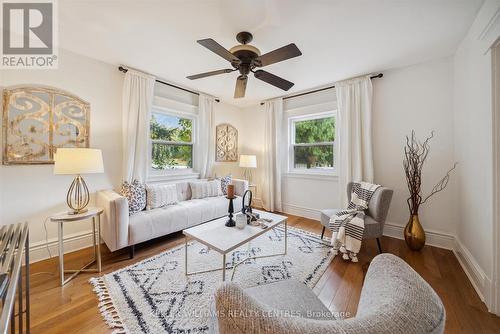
column 415, row 154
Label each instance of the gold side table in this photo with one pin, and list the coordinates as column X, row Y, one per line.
column 64, row 217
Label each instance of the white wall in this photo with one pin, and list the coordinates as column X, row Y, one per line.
column 32, row 193
column 416, row 98
column 249, row 123
column 473, row 147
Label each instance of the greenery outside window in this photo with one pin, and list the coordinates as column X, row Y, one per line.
column 172, row 141
column 312, row 143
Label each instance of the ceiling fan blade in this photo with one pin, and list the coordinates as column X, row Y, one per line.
column 283, row 53
column 241, row 86
column 219, row 49
column 207, row 74
column 273, row 79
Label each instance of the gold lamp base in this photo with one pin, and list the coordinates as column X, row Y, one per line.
column 78, row 196
column 76, row 212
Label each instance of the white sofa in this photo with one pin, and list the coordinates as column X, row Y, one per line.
column 119, row 230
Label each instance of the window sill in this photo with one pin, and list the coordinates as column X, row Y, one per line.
column 172, row 176
column 311, row 176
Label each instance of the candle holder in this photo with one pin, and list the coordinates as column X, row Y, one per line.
column 230, row 222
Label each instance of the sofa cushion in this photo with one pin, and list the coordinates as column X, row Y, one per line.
column 158, row 195
column 150, row 224
column 135, row 193
column 202, row 189
column 183, row 191
column 224, row 182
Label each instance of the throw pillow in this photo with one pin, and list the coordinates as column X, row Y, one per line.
column 160, row 195
column 224, row 182
column 202, row 189
column 135, row 193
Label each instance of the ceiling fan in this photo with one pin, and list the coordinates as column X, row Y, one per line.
column 245, row 58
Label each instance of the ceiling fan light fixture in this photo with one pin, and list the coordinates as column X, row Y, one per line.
column 245, row 58
column 245, row 47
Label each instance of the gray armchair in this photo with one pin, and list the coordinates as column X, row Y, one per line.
column 394, row 299
column 375, row 216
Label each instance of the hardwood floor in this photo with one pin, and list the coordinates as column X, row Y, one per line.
column 73, row 309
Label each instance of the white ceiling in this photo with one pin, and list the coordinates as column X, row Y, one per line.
column 338, row 38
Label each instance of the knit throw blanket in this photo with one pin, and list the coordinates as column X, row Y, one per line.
column 348, row 225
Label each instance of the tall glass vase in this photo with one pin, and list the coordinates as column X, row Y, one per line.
column 414, row 234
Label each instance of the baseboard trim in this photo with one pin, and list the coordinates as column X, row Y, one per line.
column 301, row 211
column 478, row 278
column 432, row 238
column 72, row 242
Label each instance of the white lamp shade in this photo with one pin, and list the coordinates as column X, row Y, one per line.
column 78, row 161
column 248, row 161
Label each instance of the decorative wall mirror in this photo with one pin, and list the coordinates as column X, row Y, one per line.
column 227, row 143
column 38, row 120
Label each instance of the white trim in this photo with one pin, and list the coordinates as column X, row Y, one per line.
column 168, row 174
column 301, row 211
column 489, row 25
column 476, row 275
column 291, row 144
column 173, row 177
column 311, row 176
column 72, row 242
column 432, row 237
column 495, row 286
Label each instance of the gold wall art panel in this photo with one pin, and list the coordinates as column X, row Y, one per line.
column 38, row 120
column 227, row 143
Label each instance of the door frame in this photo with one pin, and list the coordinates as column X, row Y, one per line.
column 495, row 288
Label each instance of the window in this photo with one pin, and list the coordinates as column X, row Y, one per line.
column 171, row 141
column 312, row 143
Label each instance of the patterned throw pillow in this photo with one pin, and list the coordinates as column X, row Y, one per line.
column 202, row 189
column 160, row 195
column 224, row 182
column 135, row 193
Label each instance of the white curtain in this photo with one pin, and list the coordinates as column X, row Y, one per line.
column 137, row 100
column 354, row 114
column 205, row 148
column 271, row 188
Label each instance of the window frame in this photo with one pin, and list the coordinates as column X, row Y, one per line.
column 167, row 173
column 291, row 144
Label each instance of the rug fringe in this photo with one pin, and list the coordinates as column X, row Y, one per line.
column 106, row 306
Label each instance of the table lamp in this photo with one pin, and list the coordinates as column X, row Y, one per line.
column 248, row 162
column 77, row 161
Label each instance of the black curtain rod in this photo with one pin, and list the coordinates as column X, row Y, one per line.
column 380, row 75
column 124, row 70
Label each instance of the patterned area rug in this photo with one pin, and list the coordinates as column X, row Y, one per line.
column 154, row 295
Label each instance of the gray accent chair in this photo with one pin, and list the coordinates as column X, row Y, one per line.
column 394, row 299
column 375, row 215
